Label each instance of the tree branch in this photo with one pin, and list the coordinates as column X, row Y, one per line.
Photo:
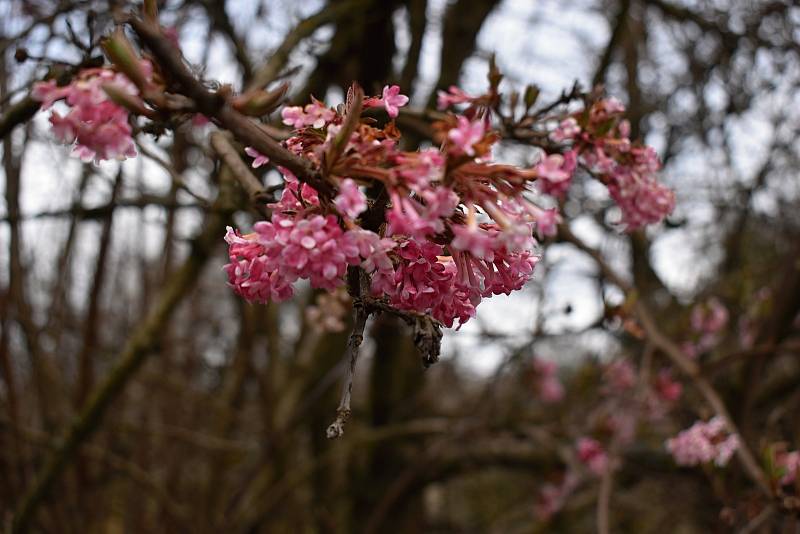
column 253, row 187
column 136, row 351
column 360, row 316
column 270, row 71
column 214, row 105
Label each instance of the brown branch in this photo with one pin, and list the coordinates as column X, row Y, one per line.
column 100, row 212
column 462, row 22
column 18, row 113
column 253, row 187
column 360, row 316
column 417, row 21
column 616, row 35
column 270, row 71
column 604, row 500
column 91, row 326
column 214, row 105
column 133, row 472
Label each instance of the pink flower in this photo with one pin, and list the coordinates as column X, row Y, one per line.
column 392, row 100
column 423, row 283
column 416, row 170
column 49, row 92
column 466, row 134
column 372, row 248
column 567, row 129
column 592, row 455
column 551, row 497
column 454, row 235
column 293, row 116
column 99, row 128
column 547, row 383
column 452, row 96
column 315, row 115
column 704, row 442
column 666, row 387
column 547, row 222
column 474, row 240
column 408, row 216
column 620, row 375
column 789, row 463
column 555, row 173
column 350, row 201
column 709, row 318
column 632, row 184
column 259, row 158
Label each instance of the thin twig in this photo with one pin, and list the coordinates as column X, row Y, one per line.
column 270, row 71
column 252, row 185
column 177, row 177
column 604, row 499
column 360, row 315
column 760, row 520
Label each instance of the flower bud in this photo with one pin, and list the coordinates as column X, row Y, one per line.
column 121, row 53
column 257, row 103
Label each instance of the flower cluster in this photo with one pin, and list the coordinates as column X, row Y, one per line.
column 592, row 454
column 457, row 226
column 789, row 465
column 547, row 384
column 552, row 497
column 98, row 127
column 453, row 226
column 329, row 312
column 708, row 320
column 299, row 243
column 704, row 442
column 602, row 142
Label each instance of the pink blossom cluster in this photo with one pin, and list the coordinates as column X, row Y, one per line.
column 98, row 127
column 710, row 317
column 299, row 243
column 592, row 454
column 314, row 115
column 552, row 497
column 434, row 255
column 555, row 173
column 453, row 96
column 619, row 375
column 458, row 227
column 789, row 465
column 629, row 170
column 708, row 320
column 704, row 442
column 547, row 384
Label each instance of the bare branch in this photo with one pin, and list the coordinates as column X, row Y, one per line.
column 214, row 105
column 360, row 316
